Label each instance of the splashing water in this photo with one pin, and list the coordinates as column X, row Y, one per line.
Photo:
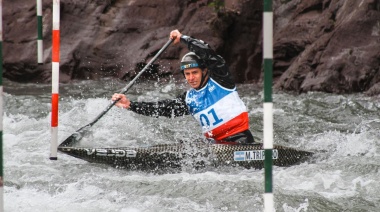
column 343, row 175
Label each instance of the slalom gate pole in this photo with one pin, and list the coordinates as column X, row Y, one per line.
column 268, row 105
column 1, row 111
column 39, row 33
column 55, row 81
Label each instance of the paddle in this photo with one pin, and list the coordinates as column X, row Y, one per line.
column 77, row 136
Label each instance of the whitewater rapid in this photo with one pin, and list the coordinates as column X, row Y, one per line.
column 343, row 130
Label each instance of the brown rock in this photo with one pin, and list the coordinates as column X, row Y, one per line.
column 319, row 45
column 117, row 38
column 328, row 45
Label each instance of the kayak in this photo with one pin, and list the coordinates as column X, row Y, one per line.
column 181, row 155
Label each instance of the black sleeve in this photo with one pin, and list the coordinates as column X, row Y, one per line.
column 169, row 108
column 215, row 63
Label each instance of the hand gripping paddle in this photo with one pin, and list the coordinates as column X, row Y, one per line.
column 77, row 136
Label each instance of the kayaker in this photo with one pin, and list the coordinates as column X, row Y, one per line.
column 212, row 100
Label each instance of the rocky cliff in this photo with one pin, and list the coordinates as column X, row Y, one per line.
column 328, row 45
column 319, row 45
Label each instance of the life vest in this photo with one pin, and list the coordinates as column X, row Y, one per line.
column 219, row 111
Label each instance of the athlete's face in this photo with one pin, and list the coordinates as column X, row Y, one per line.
column 193, row 77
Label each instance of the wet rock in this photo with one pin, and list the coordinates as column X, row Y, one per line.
column 319, row 45
column 328, row 45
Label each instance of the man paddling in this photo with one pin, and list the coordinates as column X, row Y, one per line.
column 212, row 100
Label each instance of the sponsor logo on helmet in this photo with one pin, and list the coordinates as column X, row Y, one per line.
column 191, row 65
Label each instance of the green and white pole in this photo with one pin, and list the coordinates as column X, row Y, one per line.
column 268, row 105
column 1, row 110
column 39, row 33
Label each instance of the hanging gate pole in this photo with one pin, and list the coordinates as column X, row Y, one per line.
column 40, row 55
column 55, row 81
column 268, row 105
column 1, row 111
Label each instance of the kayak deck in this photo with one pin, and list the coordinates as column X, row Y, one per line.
column 185, row 154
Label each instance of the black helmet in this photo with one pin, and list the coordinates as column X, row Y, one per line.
column 191, row 60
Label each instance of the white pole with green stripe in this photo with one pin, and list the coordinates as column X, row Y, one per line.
column 1, row 110
column 39, row 33
column 268, row 105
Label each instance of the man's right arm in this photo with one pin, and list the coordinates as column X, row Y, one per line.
column 168, row 108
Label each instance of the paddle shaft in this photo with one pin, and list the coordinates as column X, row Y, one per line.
column 130, row 84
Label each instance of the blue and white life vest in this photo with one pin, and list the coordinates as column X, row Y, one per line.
column 220, row 111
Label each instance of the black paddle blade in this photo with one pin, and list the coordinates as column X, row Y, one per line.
column 74, row 138
column 71, row 140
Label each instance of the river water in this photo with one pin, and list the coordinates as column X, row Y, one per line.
column 343, row 175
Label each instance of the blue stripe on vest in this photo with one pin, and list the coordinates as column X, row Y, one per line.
column 207, row 96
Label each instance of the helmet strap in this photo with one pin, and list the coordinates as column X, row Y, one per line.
column 204, row 77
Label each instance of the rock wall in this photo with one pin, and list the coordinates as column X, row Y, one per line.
column 319, row 45
column 328, row 45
